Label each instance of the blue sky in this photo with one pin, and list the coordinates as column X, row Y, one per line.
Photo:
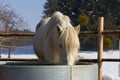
column 30, row 10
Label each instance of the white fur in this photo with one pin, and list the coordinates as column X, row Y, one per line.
column 56, row 40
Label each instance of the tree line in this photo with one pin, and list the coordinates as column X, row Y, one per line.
column 86, row 13
column 11, row 22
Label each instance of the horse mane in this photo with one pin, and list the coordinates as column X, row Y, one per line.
column 67, row 36
column 68, row 30
column 63, row 21
column 42, row 22
column 59, row 19
column 56, row 19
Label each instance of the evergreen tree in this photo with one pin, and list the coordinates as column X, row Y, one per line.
column 50, row 7
column 93, row 9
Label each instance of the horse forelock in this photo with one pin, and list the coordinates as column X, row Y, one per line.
column 70, row 38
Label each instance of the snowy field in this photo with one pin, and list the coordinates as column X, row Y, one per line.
column 109, row 68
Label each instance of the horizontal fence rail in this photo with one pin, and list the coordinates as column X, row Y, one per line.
column 17, row 34
column 81, row 60
column 81, row 32
column 103, row 32
column 18, row 59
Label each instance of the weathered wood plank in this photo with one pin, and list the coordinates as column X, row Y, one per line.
column 81, row 60
column 18, row 59
column 81, row 32
column 100, row 46
column 16, row 34
column 111, row 32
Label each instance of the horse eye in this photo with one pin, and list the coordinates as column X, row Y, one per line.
column 60, row 45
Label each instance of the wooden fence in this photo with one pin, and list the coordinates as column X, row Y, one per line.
column 99, row 60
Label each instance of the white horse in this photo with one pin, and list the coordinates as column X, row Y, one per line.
column 56, row 40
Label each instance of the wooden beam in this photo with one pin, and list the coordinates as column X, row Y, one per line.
column 110, row 60
column 103, row 32
column 103, row 60
column 88, row 60
column 111, row 32
column 16, row 34
column 18, row 59
column 88, row 32
column 100, row 46
column 81, row 60
column 81, row 32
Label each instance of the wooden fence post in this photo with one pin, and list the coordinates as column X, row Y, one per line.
column 119, row 62
column 9, row 52
column 100, row 46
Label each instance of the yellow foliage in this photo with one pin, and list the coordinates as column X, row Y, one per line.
column 83, row 20
column 107, row 43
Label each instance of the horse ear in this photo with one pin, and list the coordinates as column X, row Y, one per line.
column 77, row 28
column 59, row 28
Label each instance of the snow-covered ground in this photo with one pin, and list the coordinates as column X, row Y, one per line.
column 109, row 68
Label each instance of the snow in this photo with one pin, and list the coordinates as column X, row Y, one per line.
column 110, row 69
column 28, row 56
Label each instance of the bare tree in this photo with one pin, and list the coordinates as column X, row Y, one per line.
column 9, row 21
